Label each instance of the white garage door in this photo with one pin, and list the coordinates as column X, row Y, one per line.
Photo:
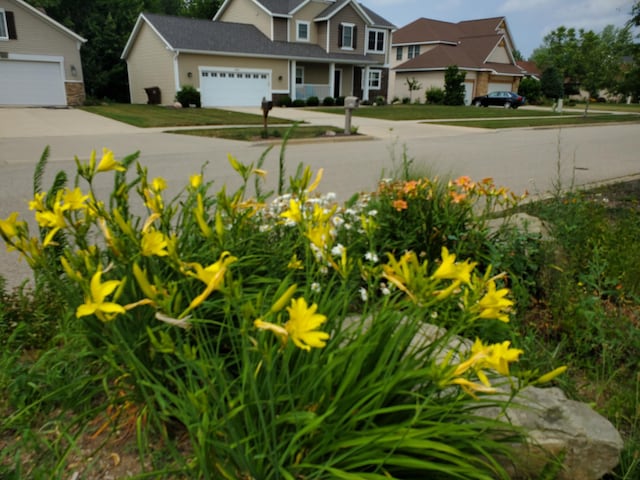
column 499, row 87
column 230, row 87
column 27, row 82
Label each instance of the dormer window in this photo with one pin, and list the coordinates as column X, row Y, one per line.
column 302, row 31
column 376, row 41
column 413, row 51
column 347, row 36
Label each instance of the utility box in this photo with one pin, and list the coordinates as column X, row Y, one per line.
column 351, row 102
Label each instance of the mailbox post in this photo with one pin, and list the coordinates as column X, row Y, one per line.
column 266, row 108
column 350, row 103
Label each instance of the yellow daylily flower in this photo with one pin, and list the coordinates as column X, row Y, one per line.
column 294, row 213
column 154, row 243
column 107, row 162
column 9, row 227
column 547, row 377
column 494, row 305
column 302, row 325
column 195, row 180
column 95, row 303
column 449, row 270
column 158, row 184
column 212, row 276
column 74, row 199
column 37, row 203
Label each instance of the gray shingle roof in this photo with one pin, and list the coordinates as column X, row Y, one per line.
column 280, row 7
column 377, row 20
column 206, row 36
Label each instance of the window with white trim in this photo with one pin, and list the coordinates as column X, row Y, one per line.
column 413, row 51
column 375, row 79
column 376, row 41
column 399, row 52
column 299, row 75
column 302, row 31
column 347, row 36
column 4, row 32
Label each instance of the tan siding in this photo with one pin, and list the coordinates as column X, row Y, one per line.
column 38, row 37
column 150, row 64
column 499, row 55
column 245, row 11
column 347, row 15
column 280, row 26
column 322, row 34
column 315, row 73
column 190, row 63
column 307, row 13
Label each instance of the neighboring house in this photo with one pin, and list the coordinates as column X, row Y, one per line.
column 530, row 69
column 40, row 62
column 483, row 49
column 255, row 49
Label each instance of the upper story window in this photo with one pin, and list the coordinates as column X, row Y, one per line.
column 302, row 31
column 399, row 52
column 413, row 51
column 7, row 25
column 347, row 36
column 376, row 41
column 4, row 34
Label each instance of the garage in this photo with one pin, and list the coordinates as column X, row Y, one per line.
column 30, row 80
column 499, row 87
column 233, row 87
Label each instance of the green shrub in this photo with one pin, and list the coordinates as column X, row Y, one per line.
column 285, row 101
column 299, row 103
column 454, row 90
column 434, row 96
column 531, row 89
column 313, row 101
column 406, row 100
column 329, row 101
column 187, row 96
column 380, row 100
column 340, row 101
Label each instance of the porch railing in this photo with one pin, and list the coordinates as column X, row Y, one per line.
column 306, row 90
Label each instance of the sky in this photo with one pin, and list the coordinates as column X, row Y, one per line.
column 528, row 20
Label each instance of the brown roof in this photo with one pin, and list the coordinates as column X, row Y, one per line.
column 466, row 44
column 529, row 68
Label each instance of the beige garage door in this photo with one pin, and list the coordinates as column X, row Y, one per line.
column 32, row 83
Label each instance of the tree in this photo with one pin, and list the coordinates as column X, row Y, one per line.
column 517, row 55
column 551, row 83
column 454, row 86
column 635, row 14
column 531, row 89
column 106, row 24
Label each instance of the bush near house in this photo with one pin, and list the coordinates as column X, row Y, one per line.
column 434, row 96
column 188, row 96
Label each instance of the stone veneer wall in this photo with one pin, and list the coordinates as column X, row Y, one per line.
column 75, row 93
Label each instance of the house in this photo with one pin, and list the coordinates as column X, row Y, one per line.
column 262, row 49
column 483, row 49
column 530, row 69
column 40, row 63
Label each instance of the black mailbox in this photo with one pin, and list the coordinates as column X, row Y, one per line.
column 267, row 105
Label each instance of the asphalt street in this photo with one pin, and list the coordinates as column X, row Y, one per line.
column 533, row 160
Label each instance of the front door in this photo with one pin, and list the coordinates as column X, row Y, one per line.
column 337, row 83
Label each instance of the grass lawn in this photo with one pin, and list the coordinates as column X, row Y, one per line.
column 160, row 116
column 612, row 107
column 434, row 112
column 256, row 133
column 545, row 122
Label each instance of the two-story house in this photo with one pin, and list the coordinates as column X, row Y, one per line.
column 483, row 49
column 40, row 62
column 255, row 49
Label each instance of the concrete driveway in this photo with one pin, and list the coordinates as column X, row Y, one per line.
column 521, row 159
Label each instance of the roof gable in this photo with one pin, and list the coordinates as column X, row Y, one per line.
column 47, row 19
column 181, row 34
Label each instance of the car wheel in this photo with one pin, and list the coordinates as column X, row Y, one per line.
column 507, row 104
column 478, row 103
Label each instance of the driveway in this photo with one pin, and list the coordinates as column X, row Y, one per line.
column 521, row 159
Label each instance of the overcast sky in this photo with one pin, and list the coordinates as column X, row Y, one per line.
column 528, row 20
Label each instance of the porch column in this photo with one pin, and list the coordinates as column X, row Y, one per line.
column 292, row 80
column 332, row 79
column 365, row 83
